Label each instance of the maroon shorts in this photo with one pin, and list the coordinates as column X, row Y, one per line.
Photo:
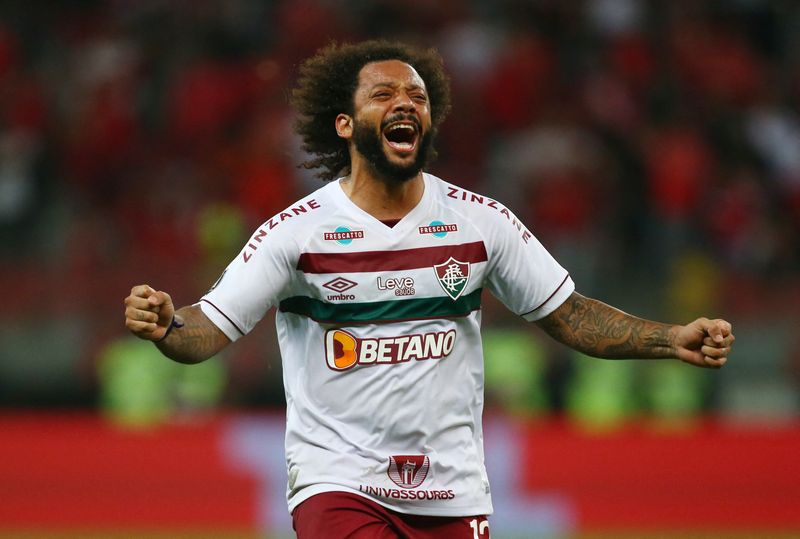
column 342, row 515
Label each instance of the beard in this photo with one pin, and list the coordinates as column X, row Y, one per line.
column 370, row 145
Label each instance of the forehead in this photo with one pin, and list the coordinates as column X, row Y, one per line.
column 391, row 72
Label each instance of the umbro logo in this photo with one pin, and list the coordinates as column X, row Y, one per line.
column 340, row 284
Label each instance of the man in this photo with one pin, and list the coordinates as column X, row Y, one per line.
column 377, row 278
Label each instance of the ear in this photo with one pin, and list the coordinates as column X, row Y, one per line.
column 344, row 126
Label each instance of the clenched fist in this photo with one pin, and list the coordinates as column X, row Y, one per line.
column 705, row 343
column 148, row 312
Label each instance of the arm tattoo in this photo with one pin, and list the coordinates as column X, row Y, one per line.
column 599, row 330
column 196, row 341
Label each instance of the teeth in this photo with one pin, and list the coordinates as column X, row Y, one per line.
column 401, row 126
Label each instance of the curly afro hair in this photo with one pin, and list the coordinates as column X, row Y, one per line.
column 326, row 86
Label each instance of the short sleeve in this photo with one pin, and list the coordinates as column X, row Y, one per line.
column 522, row 273
column 252, row 283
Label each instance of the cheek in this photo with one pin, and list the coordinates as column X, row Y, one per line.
column 425, row 115
column 369, row 116
column 426, row 125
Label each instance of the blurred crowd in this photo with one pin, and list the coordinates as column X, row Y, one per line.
column 653, row 147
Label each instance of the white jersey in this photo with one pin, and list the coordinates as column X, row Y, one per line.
column 379, row 331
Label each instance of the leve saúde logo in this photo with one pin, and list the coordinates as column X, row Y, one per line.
column 453, row 275
column 408, row 471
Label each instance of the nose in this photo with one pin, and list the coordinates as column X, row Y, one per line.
column 404, row 103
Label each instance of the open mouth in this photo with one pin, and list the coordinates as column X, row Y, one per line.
column 401, row 136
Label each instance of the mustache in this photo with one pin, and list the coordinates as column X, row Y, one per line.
column 401, row 117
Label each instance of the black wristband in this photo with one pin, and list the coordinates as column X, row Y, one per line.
column 172, row 325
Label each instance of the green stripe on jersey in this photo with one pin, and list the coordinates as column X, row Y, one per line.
column 382, row 311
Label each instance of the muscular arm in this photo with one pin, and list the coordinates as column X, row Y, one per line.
column 599, row 330
column 196, row 341
column 193, row 338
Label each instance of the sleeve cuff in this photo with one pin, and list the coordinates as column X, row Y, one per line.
column 221, row 320
column 559, row 296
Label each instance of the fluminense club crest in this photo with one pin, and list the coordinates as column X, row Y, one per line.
column 408, row 471
column 453, row 275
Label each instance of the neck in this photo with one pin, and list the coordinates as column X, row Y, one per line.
column 383, row 199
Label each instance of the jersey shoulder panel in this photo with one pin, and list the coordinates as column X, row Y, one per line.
column 489, row 216
column 293, row 225
column 264, row 271
column 520, row 271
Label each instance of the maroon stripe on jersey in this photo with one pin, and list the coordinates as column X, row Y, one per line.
column 542, row 304
column 228, row 318
column 403, row 259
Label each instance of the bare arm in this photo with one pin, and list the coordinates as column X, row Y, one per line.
column 197, row 340
column 599, row 330
column 193, row 337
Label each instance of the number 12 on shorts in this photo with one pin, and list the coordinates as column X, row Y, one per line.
column 479, row 528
